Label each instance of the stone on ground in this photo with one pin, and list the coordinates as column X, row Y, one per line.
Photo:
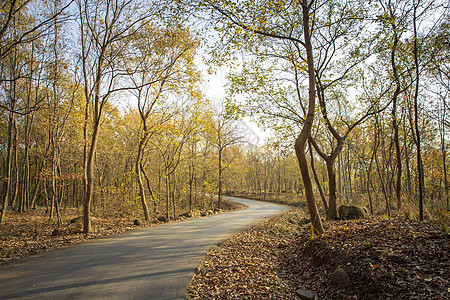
column 339, row 277
column 306, row 294
column 347, row 212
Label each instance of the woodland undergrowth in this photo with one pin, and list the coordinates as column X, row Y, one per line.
column 384, row 259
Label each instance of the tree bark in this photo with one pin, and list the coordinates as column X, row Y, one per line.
column 139, row 179
column 332, row 193
column 416, row 116
column 300, row 142
column 152, row 195
column 220, row 179
column 7, row 166
column 316, row 179
column 87, row 227
column 398, row 183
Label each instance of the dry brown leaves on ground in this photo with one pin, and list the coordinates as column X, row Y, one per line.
column 245, row 266
column 30, row 233
column 384, row 259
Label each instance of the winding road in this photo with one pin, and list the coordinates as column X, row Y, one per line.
column 152, row 263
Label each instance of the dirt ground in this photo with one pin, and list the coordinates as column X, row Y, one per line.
column 383, row 259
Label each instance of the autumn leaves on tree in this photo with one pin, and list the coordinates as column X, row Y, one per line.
column 103, row 107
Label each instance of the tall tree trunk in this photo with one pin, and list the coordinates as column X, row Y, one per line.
column 398, row 156
column 55, row 192
column 26, row 169
column 398, row 183
column 444, row 161
column 383, row 188
column 220, row 179
column 15, row 183
column 139, row 179
column 300, row 142
column 190, row 184
column 167, row 194
column 416, row 115
column 74, row 186
column 407, row 157
column 87, row 227
column 38, row 180
column 149, row 187
column 8, row 165
column 339, row 179
column 174, row 180
column 316, row 179
column 344, row 176
column 369, row 171
column 332, row 192
column 46, row 195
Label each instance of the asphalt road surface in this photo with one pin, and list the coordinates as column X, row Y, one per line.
column 152, row 263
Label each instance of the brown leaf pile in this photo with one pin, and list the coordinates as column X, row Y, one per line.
column 384, row 259
column 245, row 266
column 30, row 233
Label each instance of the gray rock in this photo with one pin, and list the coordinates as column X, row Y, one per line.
column 347, row 212
column 57, row 232
column 306, row 295
column 339, row 277
column 137, row 222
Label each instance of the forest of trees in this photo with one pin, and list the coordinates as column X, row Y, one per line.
column 102, row 106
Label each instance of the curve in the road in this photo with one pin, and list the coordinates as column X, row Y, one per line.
column 152, row 263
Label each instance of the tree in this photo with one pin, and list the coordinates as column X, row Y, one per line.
column 170, row 140
column 164, row 64
column 104, row 28
column 224, row 132
column 295, row 27
column 439, row 71
column 276, row 32
column 11, row 11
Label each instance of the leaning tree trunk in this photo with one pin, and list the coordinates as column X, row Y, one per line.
column 139, row 179
column 300, row 142
column 316, row 179
column 149, row 187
